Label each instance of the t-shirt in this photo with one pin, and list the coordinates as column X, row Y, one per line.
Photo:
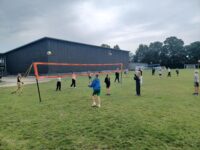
column 59, row 79
column 117, row 74
column 96, row 84
column 196, row 77
column 18, row 79
column 74, row 76
column 140, row 71
column 107, row 80
column 137, row 79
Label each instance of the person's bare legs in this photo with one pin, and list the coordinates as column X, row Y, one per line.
column 96, row 100
column 93, row 101
column 197, row 90
column 108, row 91
column 99, row 101
column 18, row 88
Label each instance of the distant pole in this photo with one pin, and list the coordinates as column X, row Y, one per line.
column 121, row 72
column 38, row 90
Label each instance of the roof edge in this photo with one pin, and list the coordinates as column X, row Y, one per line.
column 50, row 38
column 83, row 44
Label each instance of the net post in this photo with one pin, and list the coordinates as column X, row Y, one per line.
column 121, row 72
column 28, row 71
column 38, row 87
column 36, row 78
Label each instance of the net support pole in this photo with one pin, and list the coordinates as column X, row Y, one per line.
column 36, row 78
column 38, row 88
column 121, row 72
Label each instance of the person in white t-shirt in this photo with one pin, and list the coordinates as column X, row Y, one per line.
column 160, row 72
column 196, row 82
column 169, row 72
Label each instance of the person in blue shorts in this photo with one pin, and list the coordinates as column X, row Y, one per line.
column 96, row 101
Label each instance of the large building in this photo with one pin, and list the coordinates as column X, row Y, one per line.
column 18, row 60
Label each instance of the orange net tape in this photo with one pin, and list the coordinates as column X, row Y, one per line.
column 35, row 64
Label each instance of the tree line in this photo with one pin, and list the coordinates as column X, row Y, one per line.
column 108, row 46
column 171, row 53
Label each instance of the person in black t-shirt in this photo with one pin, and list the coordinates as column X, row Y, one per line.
column 19, row 84
column 90, row 77
column 107, row 82
column 58, row 85
column 117, row 75
column 137, row 81
column 153, row 71
column 177, row 72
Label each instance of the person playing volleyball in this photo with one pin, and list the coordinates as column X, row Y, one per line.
column 96, row 101
column 107, row 82
column 19, row 84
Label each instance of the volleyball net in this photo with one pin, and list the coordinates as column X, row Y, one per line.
column 54, row 70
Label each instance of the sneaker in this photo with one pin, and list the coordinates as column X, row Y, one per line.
column 94, row 104
column 99, row 105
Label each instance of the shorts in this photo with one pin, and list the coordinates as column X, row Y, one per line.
column 96, row 92
column 196, row 84
column 107, row 86
column 19, row 84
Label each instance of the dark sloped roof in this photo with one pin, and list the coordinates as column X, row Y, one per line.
column 49, row 38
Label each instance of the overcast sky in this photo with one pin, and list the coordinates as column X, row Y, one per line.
column 127, row 23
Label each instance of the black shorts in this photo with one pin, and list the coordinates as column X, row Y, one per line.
column 196, row 84
column 58, row 83
column 96, row 92
column 107, row 86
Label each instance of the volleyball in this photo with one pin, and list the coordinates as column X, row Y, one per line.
column 49, row 52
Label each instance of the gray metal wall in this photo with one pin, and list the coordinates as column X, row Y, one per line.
column 2, row 64
column 19, row 60
column 69, row 52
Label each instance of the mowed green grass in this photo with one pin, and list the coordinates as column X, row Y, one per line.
column 166, row 116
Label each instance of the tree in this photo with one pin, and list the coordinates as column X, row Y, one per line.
column 116, row 47
column 173, row 53
column 105, row 45
column 193, row 52
column 153, row 53
column 131, row 57
column 141, row 53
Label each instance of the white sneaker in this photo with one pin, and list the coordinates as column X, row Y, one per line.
column 99, row 105
column 94, row 104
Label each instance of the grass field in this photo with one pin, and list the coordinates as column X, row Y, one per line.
column 165, row 117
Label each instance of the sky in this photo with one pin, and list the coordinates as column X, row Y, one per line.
column 127, row 23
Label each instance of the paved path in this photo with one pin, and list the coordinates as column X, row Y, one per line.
column 12, row 81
